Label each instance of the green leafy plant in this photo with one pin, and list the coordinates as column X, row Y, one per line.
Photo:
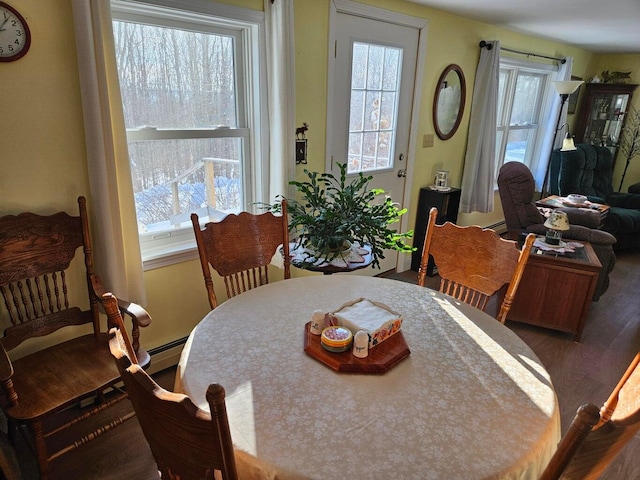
column 332, row 213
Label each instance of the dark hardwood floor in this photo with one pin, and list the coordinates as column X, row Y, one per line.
column 581, row 372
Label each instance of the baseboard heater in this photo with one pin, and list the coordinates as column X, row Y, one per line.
column 500, row 227
column 166, row 355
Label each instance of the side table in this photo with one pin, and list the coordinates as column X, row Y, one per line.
column 448, row 204
column 328, row 268
column 555, row 291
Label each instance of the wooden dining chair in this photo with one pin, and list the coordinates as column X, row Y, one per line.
column 187, row 443
column 48, row 286
column 596, row 436
column 473, row 262
column 240, row 248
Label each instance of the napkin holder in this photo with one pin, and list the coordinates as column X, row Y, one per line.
column 375, row 318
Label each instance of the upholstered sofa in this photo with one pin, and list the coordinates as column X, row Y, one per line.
column 588, row 170
column 517, row 189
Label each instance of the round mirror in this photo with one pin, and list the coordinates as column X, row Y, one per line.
column 448, row 104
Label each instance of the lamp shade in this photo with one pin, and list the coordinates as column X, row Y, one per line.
column 566, row 87
column 568, row 144
column 557, row 221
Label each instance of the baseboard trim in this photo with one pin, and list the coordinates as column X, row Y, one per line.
column 166, row 356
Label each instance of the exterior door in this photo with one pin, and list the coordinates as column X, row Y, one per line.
column 371, row 98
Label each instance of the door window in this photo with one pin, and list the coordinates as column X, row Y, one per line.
column 375, row 85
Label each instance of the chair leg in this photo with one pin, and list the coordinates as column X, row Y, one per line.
column 41, row 449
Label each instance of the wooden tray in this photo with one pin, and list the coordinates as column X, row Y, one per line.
column 381, row 358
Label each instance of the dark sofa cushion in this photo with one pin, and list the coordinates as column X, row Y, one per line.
column 623, row 220
column 624, row 200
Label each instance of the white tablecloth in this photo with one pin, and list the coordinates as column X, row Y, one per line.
column 472, row 401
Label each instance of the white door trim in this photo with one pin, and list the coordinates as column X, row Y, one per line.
column 354, row 8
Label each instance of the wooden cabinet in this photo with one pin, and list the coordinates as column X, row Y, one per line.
column 555, row 291
column 602, row 114
column 448, row 204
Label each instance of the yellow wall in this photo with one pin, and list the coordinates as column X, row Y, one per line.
column 43, row 166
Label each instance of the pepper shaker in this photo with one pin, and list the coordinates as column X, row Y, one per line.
column 361, row 344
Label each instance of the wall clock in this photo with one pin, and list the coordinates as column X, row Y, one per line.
column 15, row 38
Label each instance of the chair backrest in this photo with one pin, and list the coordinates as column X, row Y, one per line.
column 587, row 170
column 517, row 187
column 37, row 272
column 186, row 442
column 240, row 248
column 474, row 262
column 595, row 438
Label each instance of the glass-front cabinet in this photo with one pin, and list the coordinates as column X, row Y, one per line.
column 602, row 114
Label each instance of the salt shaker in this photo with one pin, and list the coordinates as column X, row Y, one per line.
column 361, row 344
column 317, row 322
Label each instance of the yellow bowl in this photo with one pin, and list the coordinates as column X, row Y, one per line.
column 336, row 339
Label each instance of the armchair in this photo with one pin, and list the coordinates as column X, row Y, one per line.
column 44, row 291
column 517, row 187
column 588, row 170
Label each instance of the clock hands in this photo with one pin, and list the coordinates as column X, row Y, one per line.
column 6, row 19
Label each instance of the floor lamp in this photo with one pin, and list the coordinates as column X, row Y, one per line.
column 564, row 88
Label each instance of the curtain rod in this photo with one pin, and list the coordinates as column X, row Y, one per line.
column 528, row 54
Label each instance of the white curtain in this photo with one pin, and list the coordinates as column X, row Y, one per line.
column 281, row 95
column 478, row 174
column 563, row 73
column 111, row 204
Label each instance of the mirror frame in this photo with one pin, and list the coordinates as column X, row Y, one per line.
column 463, row 95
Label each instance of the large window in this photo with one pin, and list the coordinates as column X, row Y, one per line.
column 522, row 111
column 189, row 85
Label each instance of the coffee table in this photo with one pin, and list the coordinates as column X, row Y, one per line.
column 555, row 290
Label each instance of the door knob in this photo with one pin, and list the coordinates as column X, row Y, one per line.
column 402, row 173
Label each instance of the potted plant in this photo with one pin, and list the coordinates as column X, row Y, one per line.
column 331, row 214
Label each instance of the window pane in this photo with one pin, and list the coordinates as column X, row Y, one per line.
column 173, row 78
column 518, row 142
column 356, row 113
column 375, row 81
column 502, row 92
column 173, row 178
column 526, row 99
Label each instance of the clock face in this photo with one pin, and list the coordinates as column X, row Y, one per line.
column 15, row 37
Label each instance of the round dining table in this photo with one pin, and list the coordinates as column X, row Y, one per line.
column 470, row 401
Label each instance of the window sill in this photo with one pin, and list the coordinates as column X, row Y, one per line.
column 164, row 257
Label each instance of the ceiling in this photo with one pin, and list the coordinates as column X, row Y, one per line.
column 599, row 26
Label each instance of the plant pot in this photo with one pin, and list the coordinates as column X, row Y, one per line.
column 329, row 248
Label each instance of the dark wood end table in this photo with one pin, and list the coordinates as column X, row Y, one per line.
column 555, row 291
column 328, row 269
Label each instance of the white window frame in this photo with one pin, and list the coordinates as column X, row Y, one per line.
column 247, row 27
column 536, row 155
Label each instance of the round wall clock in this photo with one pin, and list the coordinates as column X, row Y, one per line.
column 15, row 38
